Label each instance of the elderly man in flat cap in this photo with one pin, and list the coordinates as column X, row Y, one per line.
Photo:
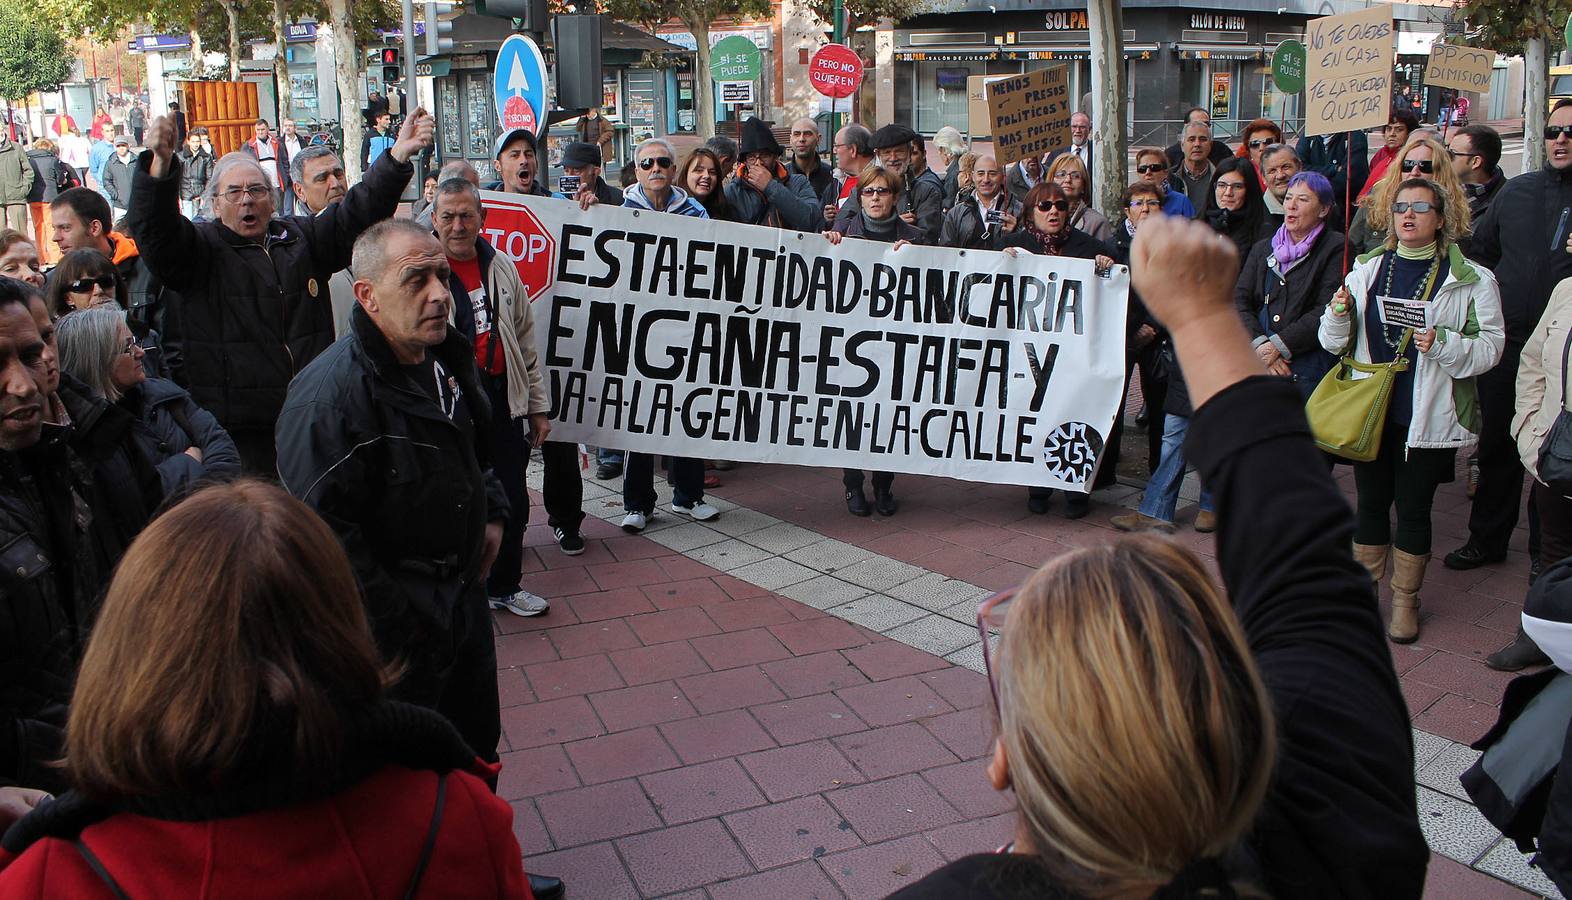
column 922, row 202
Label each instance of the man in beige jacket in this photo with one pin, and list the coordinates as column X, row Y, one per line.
column 492, row 309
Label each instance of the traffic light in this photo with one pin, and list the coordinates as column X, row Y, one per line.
column 533, row 12
column 437, row 28
column 390, row 64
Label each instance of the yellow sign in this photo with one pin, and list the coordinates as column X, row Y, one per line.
column 1462, row 68
column 1348, row 82
column 1029, row 114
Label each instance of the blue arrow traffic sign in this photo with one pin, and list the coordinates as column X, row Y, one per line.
column 519, row 85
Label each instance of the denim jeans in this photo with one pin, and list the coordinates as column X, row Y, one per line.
column 638, row 482
column 1162, row 490
column 605, row 456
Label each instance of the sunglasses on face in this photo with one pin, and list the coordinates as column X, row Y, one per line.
column 877, row 191
column 650, row 162
column 1046, row 205
column 1151, row 167
column 83, row 285
column 1557, row 131
column 1454, row 154
column 1258, row 144
column 1423, row 165
column 1418, row 206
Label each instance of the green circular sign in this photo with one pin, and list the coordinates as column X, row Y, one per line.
column 1288, row 67
column 735, row 58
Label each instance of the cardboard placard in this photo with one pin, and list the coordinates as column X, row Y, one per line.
column 1029, row 114
column 1462, row 68
column 978, row 124
column 1400, row 313
column 1348, row 85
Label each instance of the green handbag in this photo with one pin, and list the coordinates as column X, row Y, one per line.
column 1347, row 410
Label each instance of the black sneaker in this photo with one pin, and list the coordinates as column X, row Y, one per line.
column 570, row 542
column 1471, row 556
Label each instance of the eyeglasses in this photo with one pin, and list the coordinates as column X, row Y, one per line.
column 1557, row 131
column 991, row 616
column 1455, row 154
column 1228, row 187
column 1152, row 167
column 83, row 285
column 1148, row 203
column 650, row 162
column 1046, row 205
column 1423, row 165
column 130, row 349
column 876, row 191
column 1418, row 206
column 255, row 192
column 1259, row 143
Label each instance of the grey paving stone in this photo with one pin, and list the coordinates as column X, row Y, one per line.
column 687, row 536
column 829, row 555
column 964, row 612
column 738, row 521
column 1503, row 861
column 935, row 634
column 970, row 656
column 728, row 555
column 774, row 573
column 1453, row 828
column 1427, row 747
column 1442, row 772
column 877, row 612
column 823, row 592
column 879, row 573
column 936, row 593
column 782, row 537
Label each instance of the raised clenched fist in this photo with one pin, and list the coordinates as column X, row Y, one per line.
column 1182, row 269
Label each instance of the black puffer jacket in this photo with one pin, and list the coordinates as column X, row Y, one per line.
column 251, row 316
column 168, row 423
column 50, row 176
column 196, row 170
column 408, row 490
column 49, row 585
column 125, row 490
column 1522, row 238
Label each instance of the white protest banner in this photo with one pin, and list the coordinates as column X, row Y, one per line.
column 1348, row 85
column 667, row 334
column 1462, row 68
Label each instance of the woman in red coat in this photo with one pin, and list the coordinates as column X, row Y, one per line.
column 228, row 736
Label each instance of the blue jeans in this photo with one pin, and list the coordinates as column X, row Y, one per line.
column 606, row 456
column 1162, row 490
column 638, row 482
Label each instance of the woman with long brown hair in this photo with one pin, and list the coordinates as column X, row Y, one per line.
column 229, row 721
column 1163, row 739
column 702, row 176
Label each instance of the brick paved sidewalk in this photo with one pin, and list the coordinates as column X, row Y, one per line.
column 744, row 708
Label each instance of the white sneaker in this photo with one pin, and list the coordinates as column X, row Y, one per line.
column 634, row 522
column 701, row 511
column 521, row 603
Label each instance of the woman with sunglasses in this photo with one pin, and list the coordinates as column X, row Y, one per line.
column 181, row 439
column 1162, row 738
column 1287, row 280
column 1434, row 407
column 1421, row 157
column 1151, row 166
column 1045, row 230
column 1258, row 135
column 1069, row 173
column 87, row 279
column 877, row 219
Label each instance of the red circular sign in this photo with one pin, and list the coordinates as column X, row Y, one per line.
column 835, row 71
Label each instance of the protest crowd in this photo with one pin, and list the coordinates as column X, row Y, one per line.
column 264, row 434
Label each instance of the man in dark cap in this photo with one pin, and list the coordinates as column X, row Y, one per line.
column 583, row 161
column 1518, row 783
column 763, row 192
column 922, row 202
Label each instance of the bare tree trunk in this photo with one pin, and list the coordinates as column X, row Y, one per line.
column 1535, row 74
column 281, row 63
column 1105, row 22
column 198, row 67
column 703, row 86
column 346, row 64
column 232, row 11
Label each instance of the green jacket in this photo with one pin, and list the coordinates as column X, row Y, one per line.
column 16, row 174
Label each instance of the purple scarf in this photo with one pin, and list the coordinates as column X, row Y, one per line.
column 1286, row 251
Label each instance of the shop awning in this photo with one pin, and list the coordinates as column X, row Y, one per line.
column 1220, row 51
column 616, row 35
column 945, row 54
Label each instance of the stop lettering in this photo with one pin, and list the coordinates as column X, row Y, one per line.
column 515, row 232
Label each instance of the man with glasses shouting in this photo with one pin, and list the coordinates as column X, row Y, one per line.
column 253, row 308
column 1523, row 238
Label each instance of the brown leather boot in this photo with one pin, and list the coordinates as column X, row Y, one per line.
column 1373, row 558
column 1408, row 574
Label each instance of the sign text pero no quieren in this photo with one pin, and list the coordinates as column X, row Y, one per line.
column 1030, row 113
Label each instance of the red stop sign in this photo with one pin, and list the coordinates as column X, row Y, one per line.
column 835, row 71
column 516, row 232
